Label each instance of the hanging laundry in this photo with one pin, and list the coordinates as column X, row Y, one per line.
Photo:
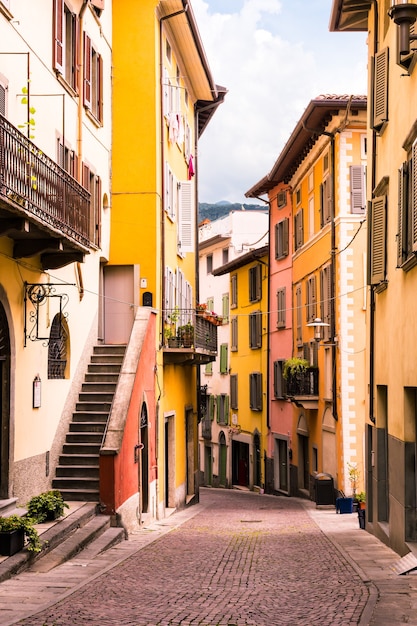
column 191, row 171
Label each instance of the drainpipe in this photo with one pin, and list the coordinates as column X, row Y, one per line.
column 80, row 98
column 333, row 281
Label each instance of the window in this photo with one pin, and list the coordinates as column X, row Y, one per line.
column 407, row 212
column 223, row 409
column 357, row 189
column 92, row 183
column 299, row 229
column 326, row 201
column 209, row 369
column 281, row 307
column 57, row 348
column 209, row 263
column 233, row 334
column 255, row 330
column 255, row 283
column 67, row 158
column 225, row 308
column 66, row 34
column 255, row 391
column 282, row 199
column 211, row 405
column 298, row 196
column 279, row 380
column 326, row 300
column 224, row 358
column 233, row 391
column 186, row 217
column 233, row 291
column 378, row 238
column 3, row 93
column 171, row 193
column 93, row 79
column 168, row 51
column 311, row 224
column 311, row 299
column 282, row 238
column 225, row 256
column 380, row 90
column 326, row 162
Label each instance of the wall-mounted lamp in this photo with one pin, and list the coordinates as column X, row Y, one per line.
column 317, row 325
column 404, row 14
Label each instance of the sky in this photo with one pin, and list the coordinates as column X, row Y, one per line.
column 273, row 56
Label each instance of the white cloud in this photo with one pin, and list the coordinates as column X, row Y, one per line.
column 271, row 74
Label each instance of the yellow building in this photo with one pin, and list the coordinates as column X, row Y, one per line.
column 163, row 98
column 248, row 365
column 392, row 274
column 322, row 166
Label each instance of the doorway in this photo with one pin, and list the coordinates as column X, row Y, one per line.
column 240, row 463
column 119, row 303
column 257, row 477
column 222, row 460
column 144, row 466
column 281, row 465
column 189, row 445
column 208, row 466
column 169, row 462
column 4, row 404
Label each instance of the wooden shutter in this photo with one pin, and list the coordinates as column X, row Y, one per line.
column 413, row 196
column 281, row 308
column 233, row 334
column 357, row 189
column 223, row 358
column 218, row 409
column 378, row 235
column 299, row 229
column 380, row 102
column 87, row 71
column 233, row 391
column 298, row 315
column 186, row 217
column 99, row 87
column 402, row 247
column 233, row 290
column 211, row 407
column 2, row 100
column 58, row 43
column 225, row 307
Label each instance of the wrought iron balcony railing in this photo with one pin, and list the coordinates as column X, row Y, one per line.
column 187, row 331
column 303, row 384
column 44, row 190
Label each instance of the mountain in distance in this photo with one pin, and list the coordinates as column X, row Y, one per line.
column 207, row 211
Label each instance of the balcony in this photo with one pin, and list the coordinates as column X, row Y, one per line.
column 190, row 339
column 43, row 209
column 302, row 388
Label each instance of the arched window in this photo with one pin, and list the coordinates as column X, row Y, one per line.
column 57, row 348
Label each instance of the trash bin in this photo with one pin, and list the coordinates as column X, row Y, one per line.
column 361, row 518
column 344, row 505
column 324, row 489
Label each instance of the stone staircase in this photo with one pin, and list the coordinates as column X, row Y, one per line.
column 77, row 473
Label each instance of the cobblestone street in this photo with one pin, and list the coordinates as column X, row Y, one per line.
column 244, row 559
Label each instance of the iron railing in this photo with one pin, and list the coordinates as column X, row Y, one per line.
column 184, row 328
column 39, row 185
column 303, row 383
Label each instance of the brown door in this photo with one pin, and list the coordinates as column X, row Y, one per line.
column 119, row 303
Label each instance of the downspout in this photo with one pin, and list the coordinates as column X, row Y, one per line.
column 162, row 225
column 372, row 290
column 333, row 280
column 80, row 98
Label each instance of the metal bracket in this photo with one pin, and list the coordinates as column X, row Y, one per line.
column 35, row 296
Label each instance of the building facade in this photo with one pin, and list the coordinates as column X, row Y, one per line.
column 220, row 242
column 391, row 424
column 316, row 191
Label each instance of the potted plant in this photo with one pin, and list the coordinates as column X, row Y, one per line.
column 47, row 506
column 13, row 531
column 361, row 500
column 186, row 335
column 354, row 476
column 294, row 366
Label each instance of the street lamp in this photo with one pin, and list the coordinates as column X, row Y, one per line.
column 404, row 14
column 317, row 324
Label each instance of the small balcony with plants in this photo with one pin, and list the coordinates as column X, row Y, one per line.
column 301, row 382
column 189, row 338
column 43, row 209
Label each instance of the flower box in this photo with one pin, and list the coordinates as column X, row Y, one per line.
column 12, row 542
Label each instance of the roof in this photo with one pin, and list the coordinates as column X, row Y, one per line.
column 349, row 15
column 241, row 261
column 311, row 125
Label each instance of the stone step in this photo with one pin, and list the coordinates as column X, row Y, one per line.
column 88, row 471
column 86, row 484
column 78, row 459
column 87, row 427
column 84, row 437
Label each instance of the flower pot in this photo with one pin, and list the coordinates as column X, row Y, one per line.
column 11, row 542
column 173, row 342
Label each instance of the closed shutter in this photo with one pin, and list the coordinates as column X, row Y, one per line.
column 233, row 334
column 223, row 358
column 186, row 217
column 413, row 207
column 402, row 248
column 2, row 100
column 357, row 189
column 87, row 71
column 380, row 103
column 225, row 307
column 378, row 232
column 58, row 48
column 226, row 410
column 233, row 391
column 211, row 407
